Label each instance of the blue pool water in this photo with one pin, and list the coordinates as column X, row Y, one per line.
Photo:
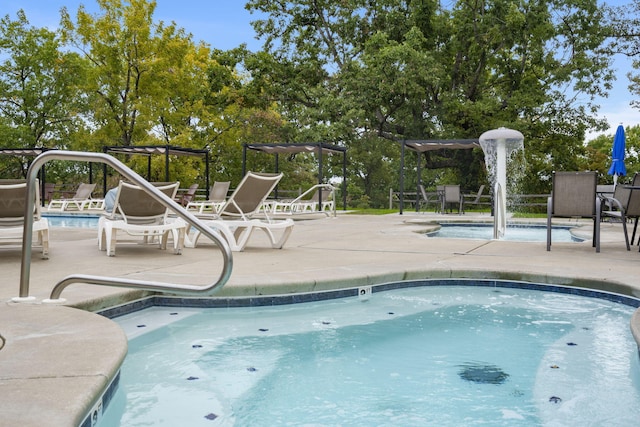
column 438, row 356
column 74, row 221
column 522, row 233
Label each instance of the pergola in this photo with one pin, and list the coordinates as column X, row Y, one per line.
column 151, row 150
column 422, row 145
column 319, row 148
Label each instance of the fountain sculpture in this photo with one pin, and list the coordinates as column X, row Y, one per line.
column 499, row 146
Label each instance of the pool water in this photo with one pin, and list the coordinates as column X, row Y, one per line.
column 74, row 221
column 522, row 233
column 440, row 356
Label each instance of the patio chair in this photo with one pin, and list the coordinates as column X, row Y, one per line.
column 573, row 195
column 136, row 213
column 624, row 205
column 217, row 198
column 478, row 198
column 13, row 196
column 237, row 220
column 452, row 197
column 79, row 201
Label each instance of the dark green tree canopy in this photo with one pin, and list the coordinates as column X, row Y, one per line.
column 400, row 69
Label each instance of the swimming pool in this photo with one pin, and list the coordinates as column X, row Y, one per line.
column 73, row 221
column 515, row 232
column 428, row 355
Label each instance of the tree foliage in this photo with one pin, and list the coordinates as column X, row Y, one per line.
column 598, row 154
column 347, row 71
column 39, row 98
column 364, row 74
column 148, row 83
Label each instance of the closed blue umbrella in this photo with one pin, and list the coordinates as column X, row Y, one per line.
column 617, row 155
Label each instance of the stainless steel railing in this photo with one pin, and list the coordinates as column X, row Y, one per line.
column 113, row 281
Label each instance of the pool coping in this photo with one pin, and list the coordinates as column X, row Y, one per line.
column 288, row 299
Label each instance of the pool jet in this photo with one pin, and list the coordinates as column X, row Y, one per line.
column 499, row 145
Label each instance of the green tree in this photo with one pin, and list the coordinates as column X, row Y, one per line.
column 39, row 98
column 148, row 83
column 598, row 154
column 122, row 82
column 350, row 70
column 625, row 40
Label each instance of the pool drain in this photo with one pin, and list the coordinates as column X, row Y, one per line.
column 482, row 373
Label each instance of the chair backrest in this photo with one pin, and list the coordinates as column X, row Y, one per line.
column 13, row 195
column 574, row 194
column 315, row 196
column 249, row 195
column 219, row 190
column 479, row 195
column 84, row 191
column 327, row 195
column 451, row 193
column 49, row 189
column 423, row 193
column 632, row 207
column 188, row 195
column 621, row 194
column 134, row 204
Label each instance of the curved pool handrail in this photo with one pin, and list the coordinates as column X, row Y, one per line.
column 157, row 195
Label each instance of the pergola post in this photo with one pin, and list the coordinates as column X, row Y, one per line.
column 320, row 175
column 401, row 204
column 344, row 180
column 244, row 159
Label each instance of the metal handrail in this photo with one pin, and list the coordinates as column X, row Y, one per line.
column 157, row 195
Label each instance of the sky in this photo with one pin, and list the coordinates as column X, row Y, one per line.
column 225, row 24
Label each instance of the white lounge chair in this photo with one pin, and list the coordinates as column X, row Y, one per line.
column 217, row 198
column 309, row 204
column 138, row 214
column 79, row 201
column 13, row 196
column 237, row 220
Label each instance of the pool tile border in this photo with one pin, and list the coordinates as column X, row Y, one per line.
column 92, row 418
column 274, row 300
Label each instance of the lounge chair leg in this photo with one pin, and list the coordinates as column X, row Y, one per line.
column 178, row 241
column 43, row 237
column 111, row 241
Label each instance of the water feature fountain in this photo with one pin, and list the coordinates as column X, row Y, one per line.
column 500, row 146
